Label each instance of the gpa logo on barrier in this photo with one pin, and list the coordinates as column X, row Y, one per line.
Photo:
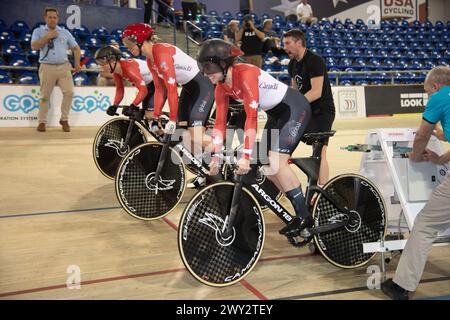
column 347, row 101
column 91, row 103
column 25, row 103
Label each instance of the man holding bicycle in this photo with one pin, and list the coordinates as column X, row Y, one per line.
column 435, row 216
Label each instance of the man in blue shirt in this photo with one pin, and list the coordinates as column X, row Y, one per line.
column 55, row 69
column 435, row 216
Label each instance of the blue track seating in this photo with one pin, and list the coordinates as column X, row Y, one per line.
column 27, row 77
column 5, row 78
column 81, row 79
column 81, row 33
column 345, row 45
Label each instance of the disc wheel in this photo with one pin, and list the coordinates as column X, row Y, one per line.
column 108, row 147
column 344, row 247
column 137, row 189
column 212, row 257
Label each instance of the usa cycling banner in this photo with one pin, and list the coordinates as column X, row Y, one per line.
column 19, row 105
column 399, row 9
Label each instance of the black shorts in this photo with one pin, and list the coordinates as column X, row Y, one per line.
column 290, row 118
column 196, row 100
column 320, row 122
column 147, row 103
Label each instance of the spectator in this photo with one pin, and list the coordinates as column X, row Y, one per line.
column 163, row 12
column 229, row 35
column 251, row 41
column 267, row 29
column 55, row 68
column 271, row 40
column 309, row 75
column 305, row 13
column 189, row 6
column 148, row 6
column 435, row 216
column 245, row 6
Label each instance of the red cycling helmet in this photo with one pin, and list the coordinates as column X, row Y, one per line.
column 136, row 34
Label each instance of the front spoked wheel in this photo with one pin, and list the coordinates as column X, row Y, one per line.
column 137, row 189
column 344, row 247
column 110, row 147
column 210, row 256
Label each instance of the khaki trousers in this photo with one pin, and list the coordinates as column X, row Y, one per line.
column 255, row 60
column 312, row 20
column 434, row 218
column 51, row 75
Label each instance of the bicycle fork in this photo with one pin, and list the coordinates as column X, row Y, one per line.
column 162, row 159
column 124, row 146
column 229, row 220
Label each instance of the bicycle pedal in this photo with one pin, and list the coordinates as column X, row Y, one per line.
column 298, row 241
column 305, row 233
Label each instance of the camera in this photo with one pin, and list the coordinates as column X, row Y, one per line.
column 246, row 21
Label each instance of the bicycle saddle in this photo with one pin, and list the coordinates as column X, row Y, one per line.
column 319, row 135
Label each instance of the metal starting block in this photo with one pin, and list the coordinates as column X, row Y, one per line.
column 392, row 245
column 374, row 147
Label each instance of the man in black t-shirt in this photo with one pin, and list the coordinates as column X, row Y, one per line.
column 252, row 41
column 309, row 75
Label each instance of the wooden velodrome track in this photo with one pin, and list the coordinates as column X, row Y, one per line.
column 57, row 210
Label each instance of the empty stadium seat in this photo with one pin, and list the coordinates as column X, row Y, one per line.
column 19, row 60
column 81, row 79
column 227, row 14
column 93, row 43
column 33, row 56
column 27, row 77
column 81, row 32
column 6, row 35
column 100, row 33
column 117, row 32
column 5, row 78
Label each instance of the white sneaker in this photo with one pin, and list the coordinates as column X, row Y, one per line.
column 197, row 182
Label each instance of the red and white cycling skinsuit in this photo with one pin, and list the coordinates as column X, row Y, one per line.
column 170, row 66
column 135, row 71
column 255, row 88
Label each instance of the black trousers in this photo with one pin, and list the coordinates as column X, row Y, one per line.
column 148, row 11
column 163, row 12
column 189, row 7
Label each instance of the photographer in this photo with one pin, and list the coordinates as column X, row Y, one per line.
column 251, row 41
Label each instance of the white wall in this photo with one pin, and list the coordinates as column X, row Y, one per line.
column 439, row 10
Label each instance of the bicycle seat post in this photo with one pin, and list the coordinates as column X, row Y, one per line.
column 317, row 146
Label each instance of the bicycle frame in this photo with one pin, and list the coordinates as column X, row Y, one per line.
column 310, row 166
column 178, row 146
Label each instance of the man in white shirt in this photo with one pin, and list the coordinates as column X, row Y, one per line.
column 304, row 13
